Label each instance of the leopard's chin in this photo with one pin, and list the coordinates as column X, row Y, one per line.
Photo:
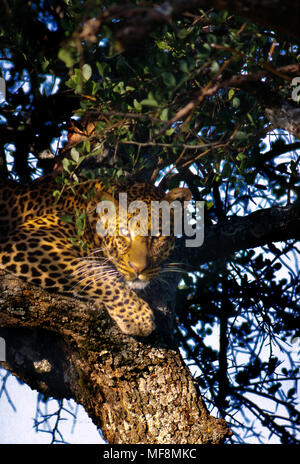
column 137, row 284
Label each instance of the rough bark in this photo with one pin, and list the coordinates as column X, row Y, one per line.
column 286, row 117
column 135, row 391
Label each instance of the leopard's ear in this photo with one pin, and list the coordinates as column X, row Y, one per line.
column 106, row 204
column 106, row 196
column 180, row 194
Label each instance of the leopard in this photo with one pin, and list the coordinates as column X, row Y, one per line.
column 40, row 243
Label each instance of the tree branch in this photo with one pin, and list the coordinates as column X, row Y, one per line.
column 282, row 113
column 278, row 150
column 240, row 233
column 135, row 391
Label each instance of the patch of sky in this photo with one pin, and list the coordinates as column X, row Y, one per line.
column 46, row 18
column 50, row 85
column 103, row 42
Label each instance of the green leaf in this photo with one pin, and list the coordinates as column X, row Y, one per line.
column 86, row 71
column 183, row 66
column 95, row 87
column 235, row 102
column 86, row 148
column 162, row 45
column 45, row 64
column 169, row 79
column 164, row 115
column 241, row 156
column 119, row 88
column 240, row 135
column 137, row 105
column 80, row 222
column 66, row 56
column 66, row 218
column 215, row 67
column 103, row 68
column 75, row 155
column 149, row 102
column 170, row 131
column 183, row 33
column 66, row 164
column 230, row 94
column 249, row 116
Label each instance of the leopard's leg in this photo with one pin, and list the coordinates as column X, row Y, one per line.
column 45, row 257
column 131, row 313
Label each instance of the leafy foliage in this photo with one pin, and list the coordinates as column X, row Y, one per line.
column 158, row 105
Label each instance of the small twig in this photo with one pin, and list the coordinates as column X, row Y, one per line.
column 4, row 390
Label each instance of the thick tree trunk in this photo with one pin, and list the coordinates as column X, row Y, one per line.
column 135, row 391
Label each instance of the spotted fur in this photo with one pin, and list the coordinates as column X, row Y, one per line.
column 36, row 244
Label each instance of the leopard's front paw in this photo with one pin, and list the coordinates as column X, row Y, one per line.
column 138, row 321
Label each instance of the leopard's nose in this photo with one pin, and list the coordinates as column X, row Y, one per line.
column 138, row 268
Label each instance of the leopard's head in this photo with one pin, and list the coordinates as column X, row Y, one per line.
column 139, row 237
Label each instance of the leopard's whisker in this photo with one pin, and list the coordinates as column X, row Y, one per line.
column 102, row 272
column 82, row 280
